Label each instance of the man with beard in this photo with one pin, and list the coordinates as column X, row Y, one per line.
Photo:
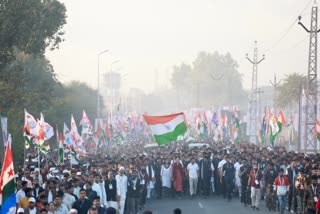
column 144, row 182
column 228, row 172
column 311, row 196
column 122, row 185
column 133, row 194
column 206, row 171
column 254, row 182
column 244, row 176
column 36, row 188
column 90, row 192
column 82, row 205
column 193, row 175
column 269, row 179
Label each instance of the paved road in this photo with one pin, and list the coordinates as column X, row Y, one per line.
column 211, row 205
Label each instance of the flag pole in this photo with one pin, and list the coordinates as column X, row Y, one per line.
column 58, row 150
column 24, row 153
column 70, row 159
column 39, row 157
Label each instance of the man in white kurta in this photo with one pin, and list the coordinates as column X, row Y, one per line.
column 237, row 166
column 101, row 191
column 166, row 175
column 122, row 185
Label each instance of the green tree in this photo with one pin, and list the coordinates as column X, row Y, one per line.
column 289, row 89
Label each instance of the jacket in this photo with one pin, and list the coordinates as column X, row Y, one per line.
column 82, row 207
column 309, row 202
column 111, row 189
column 290, row 175
column 134, row 190
column 26, row 210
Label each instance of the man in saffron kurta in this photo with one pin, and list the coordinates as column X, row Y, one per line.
column 177, row 174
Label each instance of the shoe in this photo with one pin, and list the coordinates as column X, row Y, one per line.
column 257, row 208
column 291, row 211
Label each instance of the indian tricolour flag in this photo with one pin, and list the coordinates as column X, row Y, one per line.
column 276, row 125
column 166, row 128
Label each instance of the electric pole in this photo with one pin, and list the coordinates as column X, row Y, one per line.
column 310, row 142
column 259, row 92
column 253, row 96
column 275, row 85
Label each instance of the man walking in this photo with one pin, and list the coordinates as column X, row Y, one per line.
column 229, row 173
column 193, row 174
column 282, row 187
column 254, row 182
column 122, row 185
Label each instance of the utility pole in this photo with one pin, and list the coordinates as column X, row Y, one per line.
column 253, row 95
column 275, row 85
column 259, row 92
column 310, row 143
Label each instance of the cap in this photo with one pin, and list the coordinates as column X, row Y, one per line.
column 65, row 172
column 78, row 173
column 20, row 210
column 37, row 170
column 121, row 168
column 32, row 200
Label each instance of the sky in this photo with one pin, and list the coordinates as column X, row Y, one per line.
column 151, row 36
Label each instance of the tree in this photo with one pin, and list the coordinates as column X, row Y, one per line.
column 289, row 89
column 181, row 81
column 213, row 79
column 30, row 26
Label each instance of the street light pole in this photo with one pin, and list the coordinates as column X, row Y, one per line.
column 98, row 104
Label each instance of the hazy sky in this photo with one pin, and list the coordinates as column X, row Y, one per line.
column 153, row 35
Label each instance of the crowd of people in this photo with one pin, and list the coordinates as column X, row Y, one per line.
column 128, row 176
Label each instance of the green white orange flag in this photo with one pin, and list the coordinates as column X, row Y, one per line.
column 276, row 125
column 166, row 128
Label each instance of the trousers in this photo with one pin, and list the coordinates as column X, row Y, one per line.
column 255, row 196
column 282, row 200
column 193, row 182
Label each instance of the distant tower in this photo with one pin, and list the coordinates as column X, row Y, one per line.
column 310, row 143
column 254, row 96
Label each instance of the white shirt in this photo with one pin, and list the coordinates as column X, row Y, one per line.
column 221, row 163
column 20, row 194
column 122, row 185
column 62, row 210
column 193, row 170
column 33, row 211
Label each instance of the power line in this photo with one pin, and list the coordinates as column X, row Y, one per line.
column 275, row 44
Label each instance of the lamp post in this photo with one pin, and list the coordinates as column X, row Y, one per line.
column 98, row 104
